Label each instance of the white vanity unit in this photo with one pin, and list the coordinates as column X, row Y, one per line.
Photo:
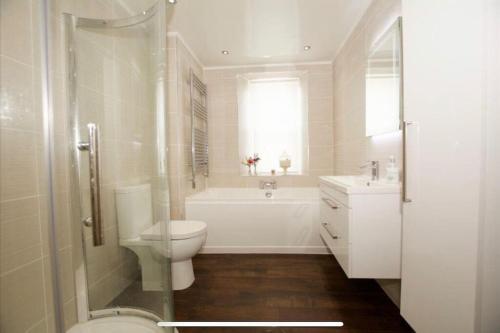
column 361, row 224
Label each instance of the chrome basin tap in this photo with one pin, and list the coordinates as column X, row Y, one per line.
column 374, row 167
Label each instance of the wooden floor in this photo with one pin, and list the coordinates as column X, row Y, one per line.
column 267, row 287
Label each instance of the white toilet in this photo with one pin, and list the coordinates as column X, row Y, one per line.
column 138, row 233
column 122, row 324
column 187, row 239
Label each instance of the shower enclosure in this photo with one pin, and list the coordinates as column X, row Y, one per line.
column 116, row 73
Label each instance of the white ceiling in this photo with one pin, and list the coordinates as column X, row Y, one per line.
column 265, row 31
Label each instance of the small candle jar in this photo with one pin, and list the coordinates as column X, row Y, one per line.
column 285, row 162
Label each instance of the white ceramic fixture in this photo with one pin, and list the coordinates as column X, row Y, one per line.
column 138, row 233
column 361, row 224
column 251, row 220
column 117, row 324
column 187, row 239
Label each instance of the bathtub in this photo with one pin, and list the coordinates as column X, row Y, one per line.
column 243, row 220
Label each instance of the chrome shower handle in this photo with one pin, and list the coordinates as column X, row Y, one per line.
column 95, row 219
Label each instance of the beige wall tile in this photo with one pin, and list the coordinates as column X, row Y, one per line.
column 19, row 234
column 16, row 93
column 320, row 133
column 15, row 30
column 26, row 255
column 40, row 327
column 70, row 313
column 320, row 110
column 306, row 181
column 19, row 208
column 225, row 180
column 18, row 167
column 321, row 157
column 320, row 85
column 22, row 302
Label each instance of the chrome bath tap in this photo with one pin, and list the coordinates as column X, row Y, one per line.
column 268, row 184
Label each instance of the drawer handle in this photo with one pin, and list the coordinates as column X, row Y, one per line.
column 330, row 203
column 328, row 231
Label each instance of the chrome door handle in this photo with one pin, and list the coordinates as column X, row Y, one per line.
column 95, row 219
column 330, row 203
column 324, row 224
column 404, row 184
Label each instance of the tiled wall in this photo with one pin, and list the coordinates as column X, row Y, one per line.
column 352, row 148
column 181, row 60
column 224, row 156
column 25, row 289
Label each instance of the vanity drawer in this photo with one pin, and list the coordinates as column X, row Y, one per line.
column 335, row 194
column 335, row 229
column 362, row 227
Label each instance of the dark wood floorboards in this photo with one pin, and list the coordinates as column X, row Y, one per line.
column 256, row 287
column 263, row 287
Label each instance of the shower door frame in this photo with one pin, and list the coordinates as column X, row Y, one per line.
column 71, row 23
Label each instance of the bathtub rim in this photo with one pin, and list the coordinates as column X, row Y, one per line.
column 203, row 196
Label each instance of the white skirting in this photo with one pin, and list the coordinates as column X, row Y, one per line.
column 266, row 249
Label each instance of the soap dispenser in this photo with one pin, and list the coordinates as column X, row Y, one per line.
column 392, row 171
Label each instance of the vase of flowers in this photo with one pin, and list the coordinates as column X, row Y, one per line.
column 251, row 161
column 256, row 160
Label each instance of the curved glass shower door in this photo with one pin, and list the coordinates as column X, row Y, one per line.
column 116, row 73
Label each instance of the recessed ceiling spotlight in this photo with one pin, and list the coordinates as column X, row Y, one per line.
column 225, row 52
column 307, row 47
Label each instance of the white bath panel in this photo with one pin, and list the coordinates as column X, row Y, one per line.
column 245, row 221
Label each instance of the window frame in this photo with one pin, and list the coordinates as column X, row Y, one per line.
column 243, row 83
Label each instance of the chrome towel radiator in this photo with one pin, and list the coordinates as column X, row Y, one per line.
column 199, row 127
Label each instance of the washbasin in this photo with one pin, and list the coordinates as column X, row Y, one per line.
column 360, row 184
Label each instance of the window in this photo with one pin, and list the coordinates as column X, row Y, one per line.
column 273, row 119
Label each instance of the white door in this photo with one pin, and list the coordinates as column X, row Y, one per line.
column 443, row 89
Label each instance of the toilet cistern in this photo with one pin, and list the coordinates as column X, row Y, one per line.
column 374, row 167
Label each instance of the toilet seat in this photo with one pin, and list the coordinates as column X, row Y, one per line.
column 178, row 230
column 187, row 229
column 117, row 324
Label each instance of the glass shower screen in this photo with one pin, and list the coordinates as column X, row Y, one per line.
column 117, row 119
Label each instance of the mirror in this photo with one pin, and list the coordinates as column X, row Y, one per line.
column 383, row 83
